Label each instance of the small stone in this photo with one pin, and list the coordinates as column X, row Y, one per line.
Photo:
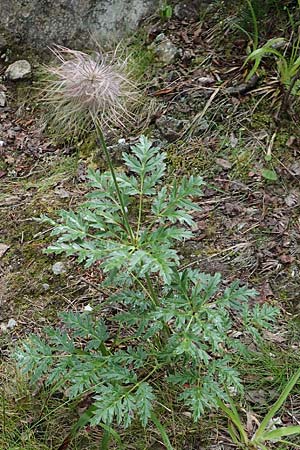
column 11, row 324
column 2, row 99
column 257, row 397
column 2, row 143
column 59, row 268
column 202, row 126
column 186, row 10
column 62, row 193
column 46, row 286
column 206, row 81
column 3, row 249
column 170, row 127
column 18, row 70
column 165, row 50
column 88, row 308
column 292, row 199
column 295, row 168
column 3, row 327
column 224, row 163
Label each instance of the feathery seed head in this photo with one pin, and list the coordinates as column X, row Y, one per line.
column 85, row 87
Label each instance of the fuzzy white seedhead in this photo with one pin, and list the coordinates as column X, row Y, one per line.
column 83, row 87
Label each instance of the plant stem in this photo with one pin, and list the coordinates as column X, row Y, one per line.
column 254, row 22
column 285, row 101
column 166, row 332
column 103, row 349
column 140, row 207
column 151, row 290
column 113, row 174
column 162, row 431
column 105, row 440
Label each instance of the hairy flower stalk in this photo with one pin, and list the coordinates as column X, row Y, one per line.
column 89, row 92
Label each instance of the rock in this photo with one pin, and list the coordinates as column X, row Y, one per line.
column 186, row 11
column 206, row 81
column 3, row 249
column 164, row 49
column 46, row 286
column 224, row 163
column 191, row 9
column 62, row 193
column 2, row 99
column 9, row 326
column 88, row 308
column 257, row 397
column 295, row 168
column 11, row 323
column 169, row 127
column 18, row 70
column 202, row 126
column 72, row 23
column 59, row 268
column 292, row 199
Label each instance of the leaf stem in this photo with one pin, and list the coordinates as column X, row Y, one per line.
column 113, row 174
column 140, row 207
column 151, row 290
column 105, row 440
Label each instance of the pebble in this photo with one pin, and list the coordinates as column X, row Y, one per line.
column 59, row 268
column 224, row 163
column 164, row 49
column 18, row 70
column 3, row 249
column 11, row 323
column 170, row 127
column 295, row 168
column 62, row 193
column 2, row 99
column 187, row 10
column 88, row 308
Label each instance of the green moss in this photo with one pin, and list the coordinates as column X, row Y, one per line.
column 27, row 267
column 141, row 62
column 242, row 163
column 193, row 158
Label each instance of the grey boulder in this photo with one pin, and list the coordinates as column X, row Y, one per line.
column 73, row 23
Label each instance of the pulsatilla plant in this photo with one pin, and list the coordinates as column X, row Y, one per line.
column 168, row 328
column 141, row 241
column 165, row 325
